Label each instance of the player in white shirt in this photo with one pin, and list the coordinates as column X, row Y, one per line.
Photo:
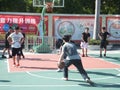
column 16, row 39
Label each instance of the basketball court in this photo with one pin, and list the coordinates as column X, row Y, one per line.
column 38, row 71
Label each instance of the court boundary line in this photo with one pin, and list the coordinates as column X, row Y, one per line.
column 8, row 65
column 40, row 76
column 70, row 85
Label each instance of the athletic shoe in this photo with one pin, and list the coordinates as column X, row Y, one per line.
column 14, row 64
column 23, row 57
column 17, row 65
column 66, row 79
column 83, row 55
column 60, row 70
column 104, row 55
column 100, row 55
column 4, row 56
column 10, row 56
column 89, row 81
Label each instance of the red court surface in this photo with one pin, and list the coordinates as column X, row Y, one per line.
column 35, row 62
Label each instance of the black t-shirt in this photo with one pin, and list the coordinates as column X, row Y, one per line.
column 24, row 37
column 85, row 36
column 104, row 35
column 6, row 36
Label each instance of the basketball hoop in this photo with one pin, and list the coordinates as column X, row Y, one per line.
column 49, row 7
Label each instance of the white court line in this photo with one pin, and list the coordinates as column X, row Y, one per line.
column 39, row 85
column 8, row 65
column 40, row 76
column 118, row 71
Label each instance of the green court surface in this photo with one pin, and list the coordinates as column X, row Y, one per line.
column 104, row 79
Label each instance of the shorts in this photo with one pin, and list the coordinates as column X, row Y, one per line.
column 103, row 44
column 16, row 51
column 84, row 45
column 7, row 45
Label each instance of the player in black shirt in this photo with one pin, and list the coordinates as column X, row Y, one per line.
column 85, row 41
column 103, row 35
column 7, row 46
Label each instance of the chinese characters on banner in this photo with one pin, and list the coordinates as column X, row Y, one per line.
column 29, row 23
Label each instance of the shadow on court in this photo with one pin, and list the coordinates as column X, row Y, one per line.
column 103, row 85
column 5, row 81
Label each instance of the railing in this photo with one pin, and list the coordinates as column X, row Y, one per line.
column 34, row 41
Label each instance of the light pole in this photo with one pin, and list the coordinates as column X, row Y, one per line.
column 97, row 21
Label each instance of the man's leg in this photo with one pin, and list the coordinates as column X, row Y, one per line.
column 13, row 56
column 86, row 52
column 9, row 53
column 67, row 64
column 83, row 54
column 4, row 53
column 18, row 56
column 100, row 52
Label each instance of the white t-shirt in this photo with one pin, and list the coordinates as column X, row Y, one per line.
column 16, row 39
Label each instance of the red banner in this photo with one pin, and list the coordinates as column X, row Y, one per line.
column 29, row 23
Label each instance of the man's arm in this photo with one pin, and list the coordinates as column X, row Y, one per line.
column 99, row 36
column 82, row 38
column 9, row 39
column 61, row 57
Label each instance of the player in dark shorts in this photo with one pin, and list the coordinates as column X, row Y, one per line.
column 69, row 51
column 103, row 35
column 7, row 46
column 16, row 39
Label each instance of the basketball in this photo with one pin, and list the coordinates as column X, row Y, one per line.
column 61, row 65
column 49, row 7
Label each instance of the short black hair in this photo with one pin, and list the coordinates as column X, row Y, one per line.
column 66, row 38
column 17, row 28
column 87, row 28
column 103, row 28
column 11, row 28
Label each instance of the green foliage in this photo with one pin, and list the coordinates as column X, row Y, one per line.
column 94, row 42
column 71, row 6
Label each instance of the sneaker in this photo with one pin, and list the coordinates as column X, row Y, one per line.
column 104, row 55
column 83, row 55
column 14, row 64
column 89, row 81
column 17, row 65
column 86, row 55
column 23, row 57
column 4, row 56
column 100, row 55
column 60, row 70
column 66, row 79
column 10, row 56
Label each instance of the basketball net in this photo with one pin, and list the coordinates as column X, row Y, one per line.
column 49, row 7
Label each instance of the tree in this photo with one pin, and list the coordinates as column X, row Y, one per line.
column 71, row 6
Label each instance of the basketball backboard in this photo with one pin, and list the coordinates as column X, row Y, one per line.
column 42, row 3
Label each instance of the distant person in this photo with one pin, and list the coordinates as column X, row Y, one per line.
column 103, row 35
column 16, row 39
column 85, row 41
column 59, row 43
column 22, row 45
column 7, row 45
column 69, row 51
